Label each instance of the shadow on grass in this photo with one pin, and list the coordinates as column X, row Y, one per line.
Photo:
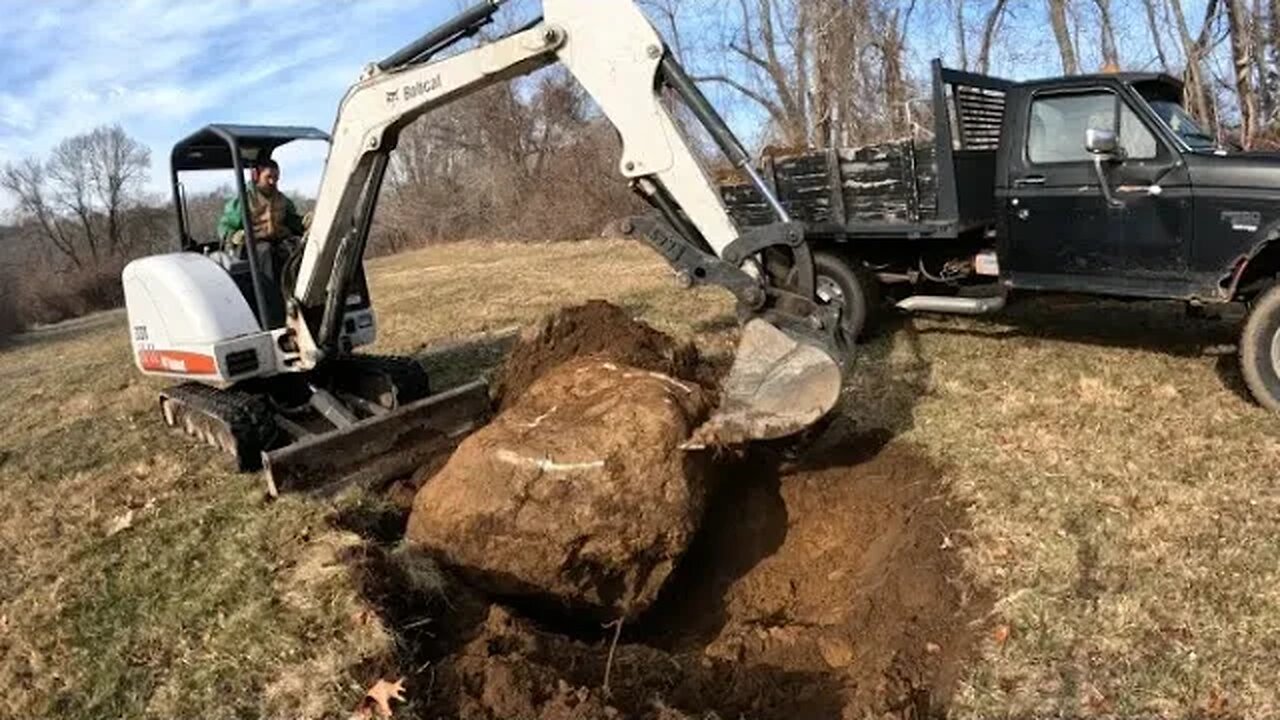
column 450, row 365
column 1152, row 326
column 1156, row 327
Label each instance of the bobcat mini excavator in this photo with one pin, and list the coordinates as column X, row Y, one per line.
column 269, row 364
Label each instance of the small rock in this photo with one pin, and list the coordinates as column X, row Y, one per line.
column 836, row 652
column 120, row 523
column 932, row 648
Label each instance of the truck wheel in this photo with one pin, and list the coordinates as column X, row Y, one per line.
column 840, row 282
column 1260, row 349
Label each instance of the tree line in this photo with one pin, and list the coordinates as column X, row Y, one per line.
column 842, row 72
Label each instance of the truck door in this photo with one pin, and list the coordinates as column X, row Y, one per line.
column 1062, row 231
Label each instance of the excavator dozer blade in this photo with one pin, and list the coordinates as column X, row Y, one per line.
column 380, row 448
column 777, row 387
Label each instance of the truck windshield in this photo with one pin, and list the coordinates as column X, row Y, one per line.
column 1182, row 124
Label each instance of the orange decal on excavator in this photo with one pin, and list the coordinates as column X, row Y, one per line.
column 174, row 361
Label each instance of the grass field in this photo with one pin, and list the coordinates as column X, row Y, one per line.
column 1124, row 497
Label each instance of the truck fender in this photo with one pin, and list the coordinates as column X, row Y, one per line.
column 1262, row 261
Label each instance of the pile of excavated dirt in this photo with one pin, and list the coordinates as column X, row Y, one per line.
column 601, row 330
column 577, row 496
column 825, row 588
column 832, row 589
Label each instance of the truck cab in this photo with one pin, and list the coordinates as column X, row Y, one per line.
column 1106, row 185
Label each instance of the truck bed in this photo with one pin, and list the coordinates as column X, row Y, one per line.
column 941, row 187
column 887, row 183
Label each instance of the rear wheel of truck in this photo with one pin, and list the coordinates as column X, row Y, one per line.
column 1260, row 349
column 844, row 282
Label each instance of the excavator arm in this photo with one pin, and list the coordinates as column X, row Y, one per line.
column 786, row 374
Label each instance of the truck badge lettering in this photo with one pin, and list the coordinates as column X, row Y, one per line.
column 422, row 87
column 1243, row 221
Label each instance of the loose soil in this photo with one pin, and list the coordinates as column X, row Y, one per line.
column 601, row 330
column 827, row 587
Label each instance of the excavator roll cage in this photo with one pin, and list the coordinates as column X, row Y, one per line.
column 227, row 147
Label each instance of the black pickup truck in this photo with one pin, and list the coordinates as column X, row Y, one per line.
column 1096, row 184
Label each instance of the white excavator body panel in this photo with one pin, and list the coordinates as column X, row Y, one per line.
column 188, row 319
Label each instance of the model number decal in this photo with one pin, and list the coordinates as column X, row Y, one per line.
column 1242, row 220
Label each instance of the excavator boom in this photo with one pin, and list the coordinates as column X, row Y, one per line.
column 787, row 374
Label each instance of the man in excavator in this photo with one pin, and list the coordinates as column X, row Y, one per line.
column 277, row 226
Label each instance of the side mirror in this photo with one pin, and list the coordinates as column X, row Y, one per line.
column 1104, row 147
column 1101, row 142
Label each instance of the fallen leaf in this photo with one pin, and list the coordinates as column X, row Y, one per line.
column 120, row 523
column 1216, row 706
column 1001, row 635
column 378, row 699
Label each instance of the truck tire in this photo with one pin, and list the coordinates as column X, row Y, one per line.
column 839, row 280
column 1260, row 349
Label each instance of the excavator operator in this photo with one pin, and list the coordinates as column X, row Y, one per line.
column 277, row 226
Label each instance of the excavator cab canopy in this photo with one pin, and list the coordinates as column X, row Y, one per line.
column 227, row 147
column 234, row 148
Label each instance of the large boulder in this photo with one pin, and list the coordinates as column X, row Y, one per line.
column 578, row 493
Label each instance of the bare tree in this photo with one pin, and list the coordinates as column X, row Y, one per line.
column 117, row 169
column 781, row 86
column 1062, row 33
column 1110, row 53
column 80, row 197
column 27, row 183
column 961, row 29
column 1242, row 58
column 1199, row 94
column 989, row 28
column 1153, row 24
column 891, row 41
column 68, row 172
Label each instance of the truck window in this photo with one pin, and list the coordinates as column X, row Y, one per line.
column 1183, row 125
column 1059, row 122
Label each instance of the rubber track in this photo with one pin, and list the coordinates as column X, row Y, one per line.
column 248, row 418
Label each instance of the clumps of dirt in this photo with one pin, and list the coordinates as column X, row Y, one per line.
column 844, row 565
column 831, row 588
column 600, row 330
column 826, row 587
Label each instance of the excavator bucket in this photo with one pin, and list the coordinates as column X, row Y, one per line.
column 777, row 387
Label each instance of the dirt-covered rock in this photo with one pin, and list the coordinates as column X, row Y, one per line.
column 577, row 495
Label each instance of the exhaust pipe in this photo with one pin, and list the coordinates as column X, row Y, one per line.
column 953, row 305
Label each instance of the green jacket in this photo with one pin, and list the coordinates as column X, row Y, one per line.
column 232, row 219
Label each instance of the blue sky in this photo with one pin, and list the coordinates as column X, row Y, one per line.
column 162, row 68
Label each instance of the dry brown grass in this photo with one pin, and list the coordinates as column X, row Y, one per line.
column 1125, row 502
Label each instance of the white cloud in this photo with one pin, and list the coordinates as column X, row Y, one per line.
column 163, row 68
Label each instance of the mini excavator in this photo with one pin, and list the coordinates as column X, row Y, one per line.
column 269, row 367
